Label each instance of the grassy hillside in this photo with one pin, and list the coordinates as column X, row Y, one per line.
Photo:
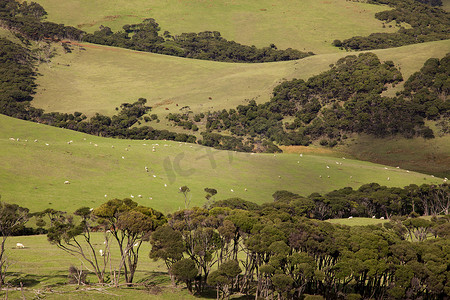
column 100, row 78
column 33, row 173
column 307, row 24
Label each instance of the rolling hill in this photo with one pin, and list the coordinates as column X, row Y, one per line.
column 304, row 25
column 35, row 165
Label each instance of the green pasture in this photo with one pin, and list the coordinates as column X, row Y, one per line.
column 357, row 221
column 43, row 270
column 32, row 174
column 430, row 156
column 100, row 78
column 304, row 25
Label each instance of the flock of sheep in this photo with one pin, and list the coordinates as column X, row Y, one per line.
column 154, row 148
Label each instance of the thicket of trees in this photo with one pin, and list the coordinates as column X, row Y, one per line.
column 207, row 45
column 427, row 24
column 277, row 249
column 346, row 99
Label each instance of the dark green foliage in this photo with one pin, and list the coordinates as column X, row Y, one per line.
column 28, row 19
column 236, row 203
column 185, row 270
column 428, row 24
column 205, row 45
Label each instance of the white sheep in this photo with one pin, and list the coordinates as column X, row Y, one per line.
column 20, row 246
column 350, row 217
column 328, row 167
column 388, row 178
column 382, row 218
column 136, row 244
column 373, row 217
column 301, row 155
column 131, row 196
column 66, row 182
column 165, row 184
column 101, row 252
column 140, row 196
column 232, row 190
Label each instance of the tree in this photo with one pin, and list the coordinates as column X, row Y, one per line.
column 185, row 270
column 130, row 224
column 187, row 199
column 12, row 216
column 167, row 244
column 75, row 239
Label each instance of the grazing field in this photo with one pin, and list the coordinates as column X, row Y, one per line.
column 304, row 25
column 428, row 156
column 32, row 173
column 100, row 78
column 43, row 277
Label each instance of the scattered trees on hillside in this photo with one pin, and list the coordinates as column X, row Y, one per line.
column 346, row 99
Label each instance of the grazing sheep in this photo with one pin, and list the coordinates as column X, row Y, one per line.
column 350, row 217
column 95, row 145
column 123, row 157
column 320, row 176
column 328, row 167
column 298, row 161
column 279, row 176
column 232, row 190
column 20, row 246
column 328, row 176
column 382, row 218
column 301, row 155
column 140, row 196
column 131, row 196
column 151, row 198
column 165, row 184
column 373, row 217
column 101, row 252
column 351, row 177
column 46, row 144
column 12, row 139
column 112, row 146
column 136, row 244
column 154, row 150
column 245, row 189
column 35, row 141
column 106, row 195
column 407, row 171
column 146, row 169
column 385, row 168
column 66, row 182
column 154, row 176
column 126, row 149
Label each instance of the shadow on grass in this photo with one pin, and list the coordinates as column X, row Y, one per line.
column 31, row 280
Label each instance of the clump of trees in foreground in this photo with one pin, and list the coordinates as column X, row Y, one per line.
column 278, row 249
